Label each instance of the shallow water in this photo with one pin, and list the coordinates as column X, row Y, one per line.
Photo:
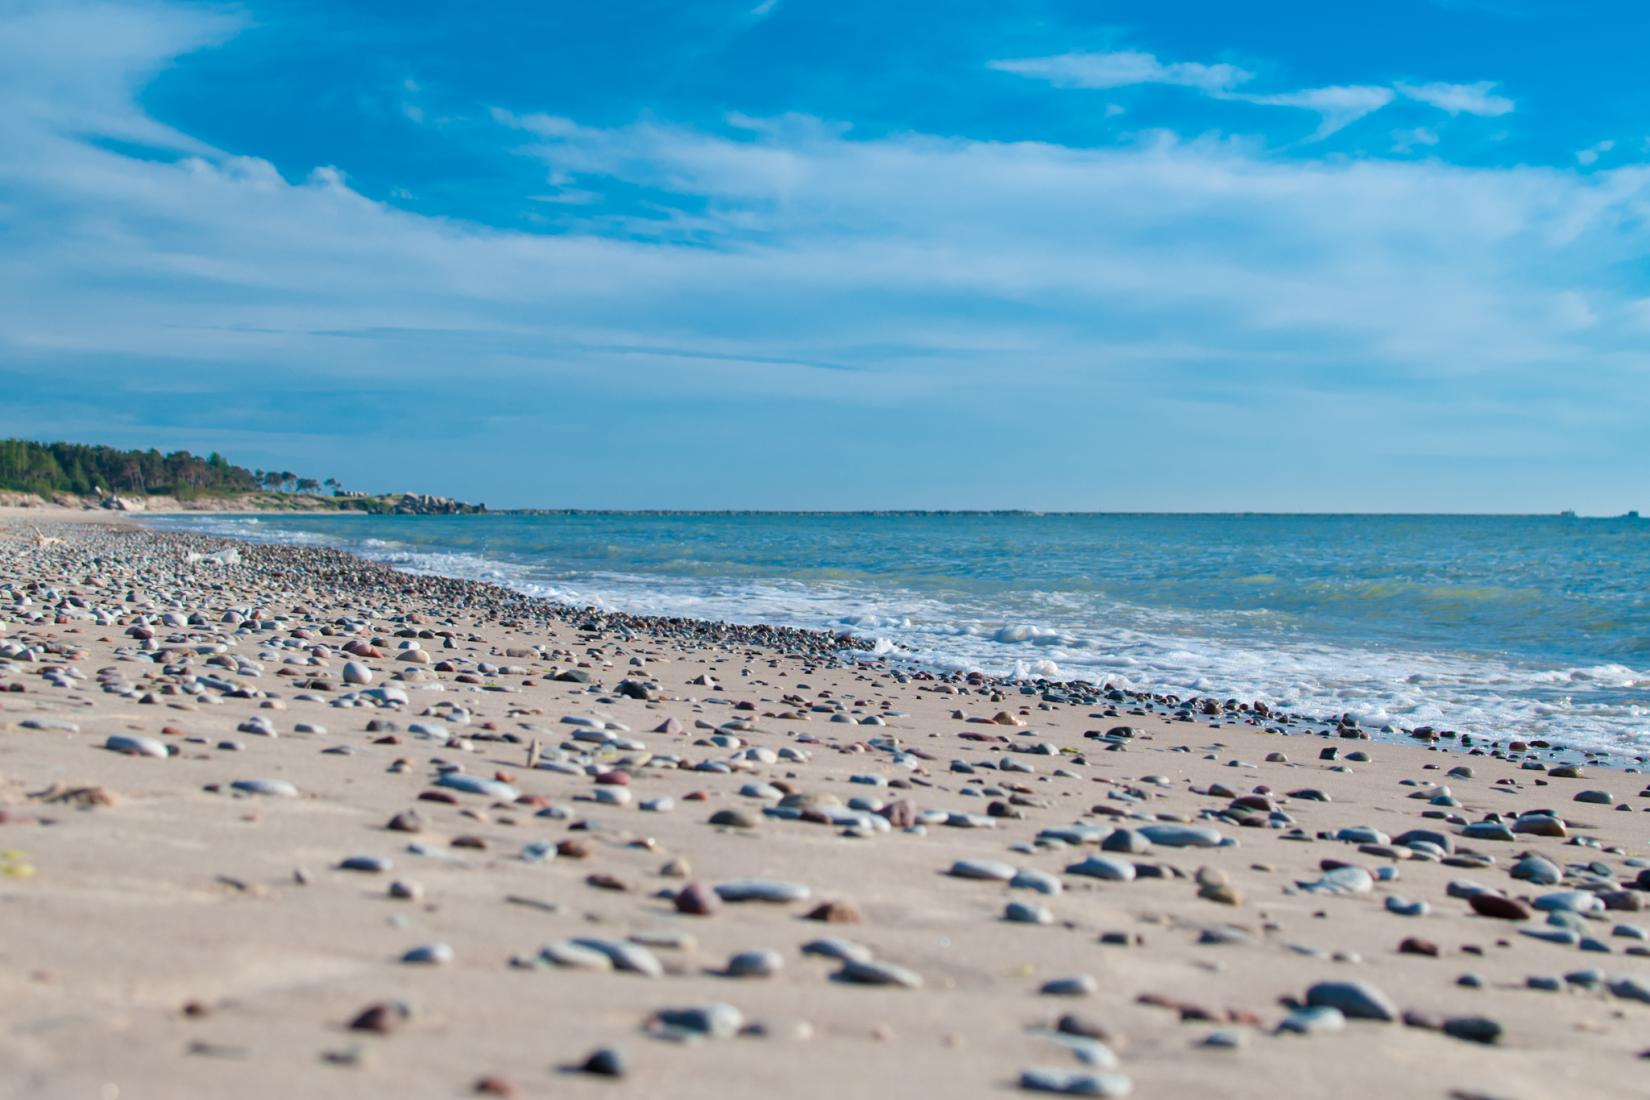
column 1505, row 626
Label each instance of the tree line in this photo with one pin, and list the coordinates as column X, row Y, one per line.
column 82, row 469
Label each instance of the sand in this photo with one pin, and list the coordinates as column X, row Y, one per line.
column 166, row 937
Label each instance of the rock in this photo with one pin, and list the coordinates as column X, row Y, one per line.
column 136, row 746
column 356, row 673
column 1537, row 869
column 698, row 900
column 407, row 821
column 382, row 1018
column 716, row 1021
column 869, row 972
column 1473, row 1029
column 1341, row 880
column 473, row 784
column 1064, row 1083
column 1081, row 985
column 1031, row 879
column 1356, row 1000
column 369, row 865
column 1027, row 912
column 571, row 955
column 1501, row 908
column 1183, row 836
column 766, row 890
column 624, row 956
column 1103, row 867
column 830, row 947
column 755, row 964
column 605, row 1062
column 734, row 819
column 989, row 869
column 433, row 954
column 276, row 788
column 1313, row 1020
column 834, row 912
column 1596, row 798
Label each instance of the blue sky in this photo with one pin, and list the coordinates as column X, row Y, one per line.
column 790, row 253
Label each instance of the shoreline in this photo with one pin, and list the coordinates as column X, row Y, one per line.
column 290, row 820
column 1087, row 692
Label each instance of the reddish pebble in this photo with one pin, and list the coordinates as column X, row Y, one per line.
column 697, row 899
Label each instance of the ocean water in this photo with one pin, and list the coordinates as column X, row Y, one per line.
column 1504, row 626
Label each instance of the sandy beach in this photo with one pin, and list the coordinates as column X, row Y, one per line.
column 277, row 821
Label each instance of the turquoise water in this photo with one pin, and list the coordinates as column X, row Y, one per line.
column 1506, row 626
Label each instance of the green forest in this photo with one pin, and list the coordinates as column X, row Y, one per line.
column 81, row 468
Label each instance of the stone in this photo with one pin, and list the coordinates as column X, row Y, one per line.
column 136, row 746
column 698, row 900
column 473, row 784
column 1103, row 867
column 1027, row 912
column 989, row 869
column 629, row 957
column 1081, row 985
column 433, row 954
column 356, row 673
column 1501, row 908
column 605, row 1062
column 715, row 1021
column 765, row 890
column 1067, row 1083
column 277, row 788
column 1313, row 1020
column 870, row 972
column 1356, row 1000
column 755, row 964
column 1183, row 836
column 1473, row 1029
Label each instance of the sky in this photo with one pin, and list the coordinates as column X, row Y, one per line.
column 1101, row 255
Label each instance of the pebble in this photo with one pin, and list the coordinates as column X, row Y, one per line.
column 1027, row 912
column 1103, row 867
column 870, row 972
column 1062, row 1083
column 990, row 869
column 765, row 890
column 433, row 954
column 277, row 788
column 136, row 746
column 755, row 964
column 605, row 1062
column 1356, row 1000
column 715, row 1021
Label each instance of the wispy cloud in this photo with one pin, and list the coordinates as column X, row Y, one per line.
column 1590, row 155
column 1337, row 106
column 1122, row 68
column 1461, row 99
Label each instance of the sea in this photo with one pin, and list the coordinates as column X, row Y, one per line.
column 1500, row 626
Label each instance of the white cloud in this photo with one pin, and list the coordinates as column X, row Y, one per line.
column 1461, row 99
column 935, row 265
column 1122, row 68
column 1589, row 156
column 1337, row 107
